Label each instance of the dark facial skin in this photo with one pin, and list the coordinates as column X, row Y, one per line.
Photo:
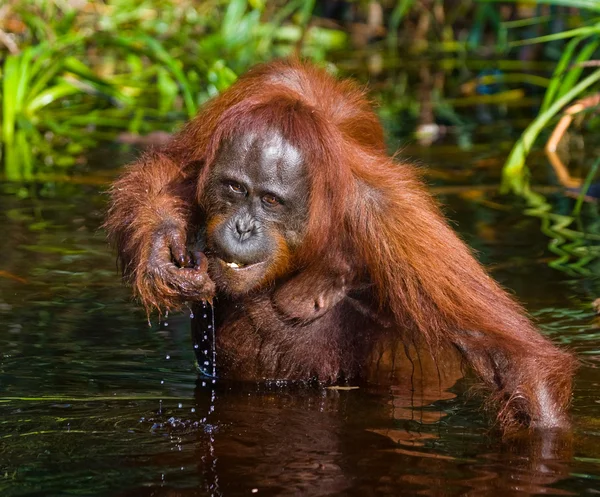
column 257, row 203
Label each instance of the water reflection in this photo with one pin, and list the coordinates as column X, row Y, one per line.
column 90, row 404
column 315, row 443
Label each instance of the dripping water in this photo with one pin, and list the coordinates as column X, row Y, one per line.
column 205, row 349
column 204, row 341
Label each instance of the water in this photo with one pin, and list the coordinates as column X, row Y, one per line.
column 95, row 402
column 204, row 342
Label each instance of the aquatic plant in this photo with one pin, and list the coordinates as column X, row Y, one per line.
column 569, row 83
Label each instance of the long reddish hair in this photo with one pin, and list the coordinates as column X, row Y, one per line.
column 373, row 213
column 361, row 199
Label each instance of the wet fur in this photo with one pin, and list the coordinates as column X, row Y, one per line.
column 371, row 225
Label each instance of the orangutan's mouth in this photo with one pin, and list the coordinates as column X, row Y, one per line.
column 240, row 266
column 234, row 265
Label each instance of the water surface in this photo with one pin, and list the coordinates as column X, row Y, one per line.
column 93, row 401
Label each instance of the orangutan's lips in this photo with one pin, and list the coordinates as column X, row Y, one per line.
column 238, row 266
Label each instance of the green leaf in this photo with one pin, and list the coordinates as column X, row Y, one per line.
column 574, row 73
column 513, row 177
column 584, row 31
column 50, row 95
column 585, row 187
column 593, row 5
column 10, row 83
column 561, row 67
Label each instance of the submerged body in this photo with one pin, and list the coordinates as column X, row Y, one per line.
column 320, row 251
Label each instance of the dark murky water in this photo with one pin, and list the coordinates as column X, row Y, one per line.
column 95, row 402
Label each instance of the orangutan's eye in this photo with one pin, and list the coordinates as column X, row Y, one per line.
column 237, row 188
column 270, row 200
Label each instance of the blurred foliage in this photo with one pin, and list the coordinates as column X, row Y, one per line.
column 77, row 72
column 569, row 82
column 74, row 72
column 575, row 235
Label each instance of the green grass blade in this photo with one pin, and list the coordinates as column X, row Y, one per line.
column 38, row 84
column 400, row 10
column 530, row 21
column 513, row 176
column 153, row 49
column 561, row 67
column 25, row 155
column 269, row 30
column 50, row 95
column 26, row 57
column 592, row 5
column 87, row 78
column 10, row 83
column 584, row 31
column 232, row 19
column 573, row 74
column 586, row 186
column 306, row 12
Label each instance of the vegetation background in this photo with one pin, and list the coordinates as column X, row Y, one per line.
column 75, row 74
column 499, row 103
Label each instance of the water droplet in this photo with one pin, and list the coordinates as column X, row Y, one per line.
column 196, row 345
column 191, row 315
column 193, row 409
column 204, row 316
column 168, row 357
column 180, row 406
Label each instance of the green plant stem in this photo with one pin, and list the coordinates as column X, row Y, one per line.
column 586, row 186
column 513, row 173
